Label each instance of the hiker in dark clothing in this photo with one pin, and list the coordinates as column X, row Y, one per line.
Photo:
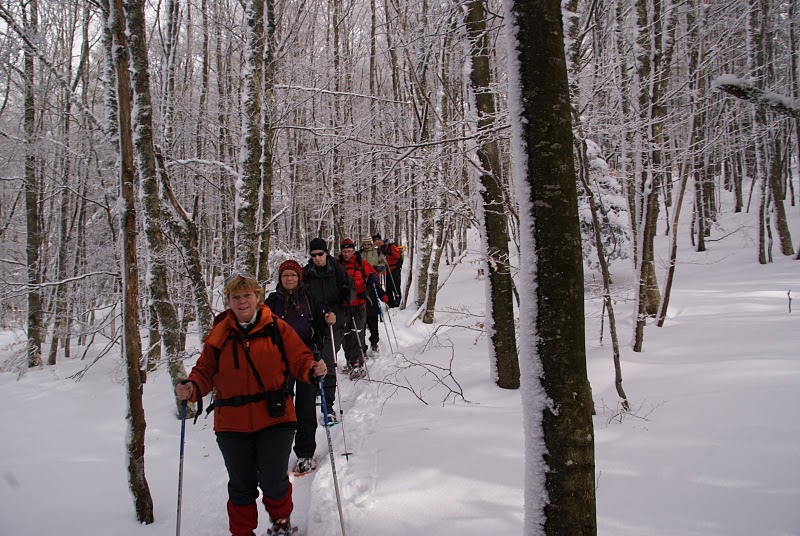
column 291, row 303
column 331, row 288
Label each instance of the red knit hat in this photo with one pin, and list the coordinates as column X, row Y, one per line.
column 291, row 265
column 347, row 243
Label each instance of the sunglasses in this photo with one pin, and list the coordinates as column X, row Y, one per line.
column 320, row 254
column 243, row 275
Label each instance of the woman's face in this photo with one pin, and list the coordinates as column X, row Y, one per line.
column 290, row 280
column 244, row 304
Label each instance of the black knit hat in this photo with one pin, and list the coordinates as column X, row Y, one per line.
column 316, row 244
column 376, row 236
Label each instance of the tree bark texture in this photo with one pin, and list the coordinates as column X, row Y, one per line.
column 148, row 175
column 249, row 186
column 500, row 309
column 32, row 194
column 551, row 215
column 131, row 343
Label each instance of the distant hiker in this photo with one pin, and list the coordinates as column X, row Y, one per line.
column 394, row 258
column 377, row 259
column 292, row 303
column 247, row 359
column 331, row 288
column 364, row 277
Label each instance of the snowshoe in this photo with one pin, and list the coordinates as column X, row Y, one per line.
column 358, row 372
column 281, row 527
column 332, row 419
column 305, row 466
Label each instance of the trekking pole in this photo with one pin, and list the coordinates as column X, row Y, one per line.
column 180, row 469
column 397, row 293
column 380, row 313
column 395, row 289
column 330, row 451
column 397, row 344
column 339, row 394
column 358, row 341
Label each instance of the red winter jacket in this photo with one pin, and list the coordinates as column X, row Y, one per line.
column 230, row 374
column 392, row 254
column 358, row 277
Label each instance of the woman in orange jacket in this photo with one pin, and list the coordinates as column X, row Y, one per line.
column 246, row 360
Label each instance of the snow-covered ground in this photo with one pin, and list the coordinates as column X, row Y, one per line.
column 712, row 447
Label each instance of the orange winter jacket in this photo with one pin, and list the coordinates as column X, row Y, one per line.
column 226, row 370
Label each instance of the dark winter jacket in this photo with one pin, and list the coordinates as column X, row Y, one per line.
column 299, row 310
column 330, row 286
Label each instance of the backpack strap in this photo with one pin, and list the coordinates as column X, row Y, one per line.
column 270, row 330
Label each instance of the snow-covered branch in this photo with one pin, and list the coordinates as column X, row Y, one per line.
column 746, row 90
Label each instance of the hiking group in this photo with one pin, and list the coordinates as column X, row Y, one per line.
column 267, row 362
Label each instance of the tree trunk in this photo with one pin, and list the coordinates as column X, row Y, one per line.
column 61, row 292
column 148, row 174
column 131, row 343
column 500, row 309
column 436, row 257
column 251, row 150
column 268, row 68
column 33, row 232
column 553, row 365
column 775, row 173
column 427, row 239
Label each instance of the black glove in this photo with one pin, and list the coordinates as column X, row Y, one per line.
column 346, row 294
column 372, row 280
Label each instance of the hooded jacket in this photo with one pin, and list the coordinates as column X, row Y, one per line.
column 223, row 366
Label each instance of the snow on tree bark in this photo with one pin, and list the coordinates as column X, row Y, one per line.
column 557, row 405
column 499, row 308
column 131, row 343
column 248, row 185
column 148, row 175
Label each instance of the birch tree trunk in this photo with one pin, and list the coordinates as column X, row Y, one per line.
column 131, row 343
column 562, row 500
